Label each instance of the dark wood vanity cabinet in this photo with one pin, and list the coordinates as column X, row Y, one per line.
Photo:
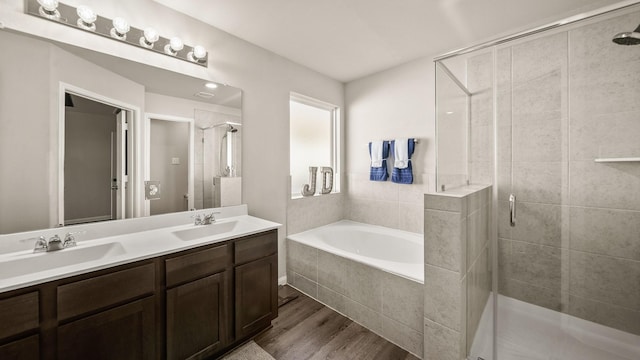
column 194, row 304
column 256, row 297
column 198, row 300
column 108, row 316
column 256, row 283
column 124, row 332
column 27, row 349
column 19, row 322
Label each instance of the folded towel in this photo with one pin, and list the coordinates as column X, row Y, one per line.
column 404, row 175
column 375, row 149
column 401, row 153
column 380, row 173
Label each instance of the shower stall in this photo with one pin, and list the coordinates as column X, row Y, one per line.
column 218, row 169
column 551, row 118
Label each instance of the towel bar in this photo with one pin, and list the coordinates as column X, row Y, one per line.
column 415, row 141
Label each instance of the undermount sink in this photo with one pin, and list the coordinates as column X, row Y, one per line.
column 204, row 231
column 33, row 263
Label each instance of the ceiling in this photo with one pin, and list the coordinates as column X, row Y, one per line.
column 349, row 39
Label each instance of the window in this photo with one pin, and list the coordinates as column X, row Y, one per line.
column 314, row 141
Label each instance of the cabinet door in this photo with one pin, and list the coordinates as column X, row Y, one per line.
column 125, row 332
column 256, row 295
column 197, row 317
column 23, row 349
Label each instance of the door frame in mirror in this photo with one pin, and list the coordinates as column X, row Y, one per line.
column 147, row 156
column 132, row 206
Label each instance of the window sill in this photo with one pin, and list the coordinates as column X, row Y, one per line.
column 299, row 196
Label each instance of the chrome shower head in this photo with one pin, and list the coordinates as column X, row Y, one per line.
column 628, row 38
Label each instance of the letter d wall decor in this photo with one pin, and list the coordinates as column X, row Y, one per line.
column 327, row 181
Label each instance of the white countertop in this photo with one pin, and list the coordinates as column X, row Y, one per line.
column 22, row 268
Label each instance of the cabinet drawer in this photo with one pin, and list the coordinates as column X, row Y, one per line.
column 198, row 264
column 256, row 247
column 19, row 314
column 99, row 292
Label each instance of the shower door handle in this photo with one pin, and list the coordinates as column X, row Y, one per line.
column 512, row 210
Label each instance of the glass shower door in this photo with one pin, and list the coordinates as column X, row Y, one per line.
column 452, row 128
column 569, row 266
column 553, row 124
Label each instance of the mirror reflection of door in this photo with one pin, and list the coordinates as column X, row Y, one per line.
column 169, row 164
column 94, row 161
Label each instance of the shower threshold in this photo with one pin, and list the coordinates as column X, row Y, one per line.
column 527, row 331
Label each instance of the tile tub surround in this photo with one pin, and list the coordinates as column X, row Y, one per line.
column 396, row 206
column 387, row 304
column 457, row 281
column 311, row 212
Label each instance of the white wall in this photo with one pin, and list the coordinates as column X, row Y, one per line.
column 266, row 80
column 396, row 103
column 30, row 75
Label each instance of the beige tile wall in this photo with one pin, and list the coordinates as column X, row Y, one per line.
column 314, row 211
column 563, row 100
column 457, row 270
column 397, row 206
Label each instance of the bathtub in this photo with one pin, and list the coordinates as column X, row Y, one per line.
column 371, row 274
column 394, row 251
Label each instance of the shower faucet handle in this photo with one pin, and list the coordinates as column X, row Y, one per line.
column 512, row 210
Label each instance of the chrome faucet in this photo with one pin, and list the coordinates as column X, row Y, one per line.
column 205, row 219
column 197, row 220
column 210, row 219
column 70, row 239
column 41, row 244
column 55, row 243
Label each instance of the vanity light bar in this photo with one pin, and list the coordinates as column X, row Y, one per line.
column 118, row 30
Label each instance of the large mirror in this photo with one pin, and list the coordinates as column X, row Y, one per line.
column 88, row 137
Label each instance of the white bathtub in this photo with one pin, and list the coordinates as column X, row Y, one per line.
column 395, row 251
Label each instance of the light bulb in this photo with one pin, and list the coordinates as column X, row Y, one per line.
column 120, row 28
column 86, row 18
column 174, row 45
column 211, row 85
column 48, row 5
column 198, row 54
column 150, row 37
column 49, row 8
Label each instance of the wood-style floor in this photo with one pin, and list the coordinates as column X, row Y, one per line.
column 306, row 329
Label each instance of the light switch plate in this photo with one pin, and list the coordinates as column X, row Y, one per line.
column 175, row 161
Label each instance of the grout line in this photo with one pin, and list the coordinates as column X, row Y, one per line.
column 571, row 250
column 564, row 205
column 568, row 168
